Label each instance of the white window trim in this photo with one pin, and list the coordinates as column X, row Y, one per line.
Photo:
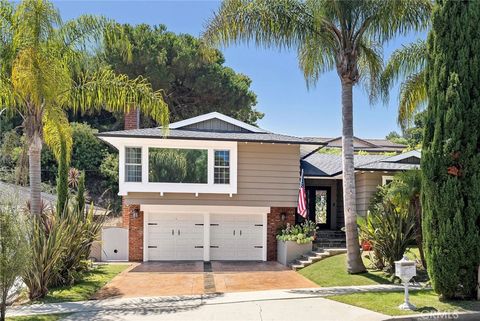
column 146, row 186
column 125, row 163
column 221, row 166
column 386, row 178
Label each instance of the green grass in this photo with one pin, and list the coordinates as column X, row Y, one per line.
column 85, row 288
column 45, row 317
column 332, row 271
column 388, row 302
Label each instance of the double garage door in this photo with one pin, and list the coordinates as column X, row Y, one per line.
column 185, row 236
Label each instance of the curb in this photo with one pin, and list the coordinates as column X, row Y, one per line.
column 439, row 316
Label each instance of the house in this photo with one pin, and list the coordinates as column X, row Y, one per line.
column 215, row 188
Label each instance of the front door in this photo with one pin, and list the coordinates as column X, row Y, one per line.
column 318, row 200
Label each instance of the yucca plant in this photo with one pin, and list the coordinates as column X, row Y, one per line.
column 389, row 229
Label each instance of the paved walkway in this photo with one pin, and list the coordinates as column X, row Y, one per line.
column 276, row 303
column 196, row 278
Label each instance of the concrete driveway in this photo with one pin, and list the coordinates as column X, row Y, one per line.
column 195, row 277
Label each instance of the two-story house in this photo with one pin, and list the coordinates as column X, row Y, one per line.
column 215, row 188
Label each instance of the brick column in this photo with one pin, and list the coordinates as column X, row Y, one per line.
column 275, row 223
column 135, row 231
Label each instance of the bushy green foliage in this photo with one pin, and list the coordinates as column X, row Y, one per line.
column 300, row 233
column 388, row 228
column 450, row 154
column 192, row 75
column 13, row 247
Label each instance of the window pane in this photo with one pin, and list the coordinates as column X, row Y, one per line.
column 133, row 155
column 133, row 173
column 168, row 165
column 222, row 158
column 133, row 164
column 222, row 167
column 222, row 175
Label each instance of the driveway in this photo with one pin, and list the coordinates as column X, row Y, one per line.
column 195, row 277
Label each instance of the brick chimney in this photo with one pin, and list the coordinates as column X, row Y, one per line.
column 132, row 119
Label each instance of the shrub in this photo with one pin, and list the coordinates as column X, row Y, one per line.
column 13, row 248
column 300, row 233
column 388, row 228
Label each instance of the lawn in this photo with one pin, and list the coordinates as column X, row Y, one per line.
column 388, row 302
column 332, row 272
column 45, row 317
column 85, row 288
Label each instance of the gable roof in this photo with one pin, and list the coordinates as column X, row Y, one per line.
column 365, row 144
column 213, row 126
column 328, row 165
column 188, row 123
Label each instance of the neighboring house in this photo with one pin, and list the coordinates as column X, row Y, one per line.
column 372, row 146
column 215, row 188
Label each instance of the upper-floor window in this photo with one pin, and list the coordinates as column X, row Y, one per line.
column 133, row 164
column 387, row 180
column 174, row 165
column 221, row 169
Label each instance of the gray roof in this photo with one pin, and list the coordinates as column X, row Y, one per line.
column 365, row 144
column 319, row 164
column 208, row 135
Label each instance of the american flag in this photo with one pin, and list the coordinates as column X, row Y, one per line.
column 302, row 198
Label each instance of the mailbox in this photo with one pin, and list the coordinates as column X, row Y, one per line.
column 406, row 270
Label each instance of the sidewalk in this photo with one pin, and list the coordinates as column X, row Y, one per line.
column 189, row 302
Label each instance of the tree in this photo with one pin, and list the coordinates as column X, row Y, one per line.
column 407, row 64
column 328, row 34
column 62, row 178
column 405, row 190
column 13, row 248
column 45, row 71
column 450, row 157
column 193, row 76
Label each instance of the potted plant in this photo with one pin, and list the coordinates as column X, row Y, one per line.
column 294, row 241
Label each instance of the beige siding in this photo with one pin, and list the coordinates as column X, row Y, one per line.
column 366, row 185
column 268, row 175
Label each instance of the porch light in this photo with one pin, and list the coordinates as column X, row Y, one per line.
column 135, row 212
column 283, row 216
column 405, row 270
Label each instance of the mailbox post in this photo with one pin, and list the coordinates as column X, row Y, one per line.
column 406, row 270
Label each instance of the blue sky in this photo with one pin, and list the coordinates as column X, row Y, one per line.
column 276, row 79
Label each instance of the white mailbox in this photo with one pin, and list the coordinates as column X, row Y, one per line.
column 406, row 270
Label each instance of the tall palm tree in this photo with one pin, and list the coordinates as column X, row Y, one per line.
column 327, row 34
column 42, row 74
column 408, row 65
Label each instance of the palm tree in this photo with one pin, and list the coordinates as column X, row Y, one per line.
column 405, row 190
column 345, row 36
column 408, row 64
column 42, row 74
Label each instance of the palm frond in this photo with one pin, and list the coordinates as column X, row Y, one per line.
column 403, row 62
column 280, row 23
column 8, row 98
column 316, row 55
column 105, row 89
column 370, row 66
column 57, row 131
column 413, row 97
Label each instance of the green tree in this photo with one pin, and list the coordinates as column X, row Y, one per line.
column 450, row 157
column 408, row 65
column 405, row 190
column 44, row 72
column 62, row 178
column 193, row 76
column 13, row 248
column 345, row 36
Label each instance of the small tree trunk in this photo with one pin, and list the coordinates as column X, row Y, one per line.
column 354, row 259
column 418, row 230
column 34, row 158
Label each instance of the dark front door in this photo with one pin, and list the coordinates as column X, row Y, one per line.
column 318, row 200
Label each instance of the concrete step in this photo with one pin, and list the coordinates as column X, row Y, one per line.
column 316, row 255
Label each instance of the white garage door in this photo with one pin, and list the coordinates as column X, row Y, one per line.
column 175, row 236
column 236, row 237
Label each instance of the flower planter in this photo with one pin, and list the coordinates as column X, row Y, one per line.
column 288, row 251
